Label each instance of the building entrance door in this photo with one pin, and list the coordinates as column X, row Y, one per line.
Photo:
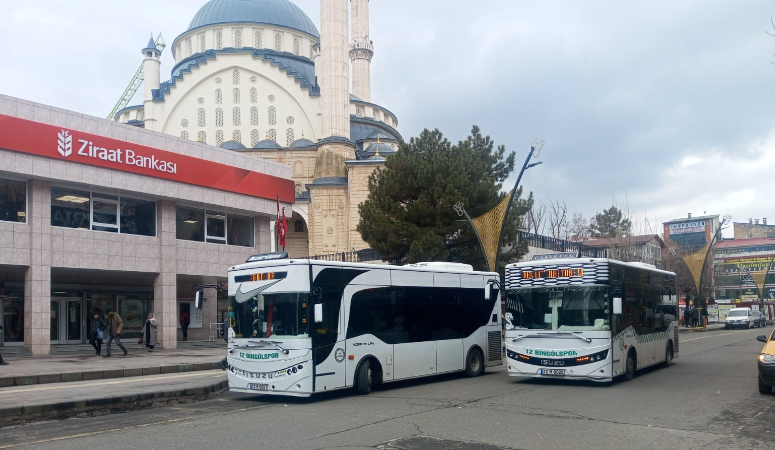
column 66, row 320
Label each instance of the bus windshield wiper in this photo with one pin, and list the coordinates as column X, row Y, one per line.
column 518, row 337
column 270, row 342
column 562, row 333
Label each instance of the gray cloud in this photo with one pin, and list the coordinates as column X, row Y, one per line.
column 666, row 104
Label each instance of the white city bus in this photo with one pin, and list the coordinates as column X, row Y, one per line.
column 593, row 319
column 299, row 326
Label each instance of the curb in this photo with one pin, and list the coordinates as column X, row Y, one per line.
column 67, row 377
column 10, row 416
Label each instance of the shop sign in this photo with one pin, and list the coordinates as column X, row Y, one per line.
column 39, row 139
column 687, row 227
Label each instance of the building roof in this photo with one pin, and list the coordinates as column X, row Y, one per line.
column 302, row 143
column 151, row 45
column 733, row 243
column 232, row 145
column 271, row 12
column 267, row 144
column 689, row 219
column 635, row 240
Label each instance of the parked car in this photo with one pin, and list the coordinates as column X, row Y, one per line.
column 766, row 363
column 740, row 318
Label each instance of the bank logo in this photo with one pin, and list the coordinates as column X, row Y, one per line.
column 65, row 143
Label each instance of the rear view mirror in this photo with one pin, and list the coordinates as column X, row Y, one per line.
column 762, row 338
column 198, row 300
column 318, row 313
column 617, row 305
column 487, row 291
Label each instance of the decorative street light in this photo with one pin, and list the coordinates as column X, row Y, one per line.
column 489, row 227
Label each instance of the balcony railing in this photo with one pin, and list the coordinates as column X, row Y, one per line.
column 561, row 245
column 365, row 255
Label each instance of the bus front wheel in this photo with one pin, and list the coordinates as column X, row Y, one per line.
column 474, row 363
column 629, row 369
column 363, row 378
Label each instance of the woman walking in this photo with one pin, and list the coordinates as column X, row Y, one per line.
column 150, row 332
column 97, row 332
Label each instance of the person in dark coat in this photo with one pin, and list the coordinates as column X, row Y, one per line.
column 687, row 316
column 695, row 317
column 115, row 328
column 185, row 321
column 97, row 332
column 2, row 363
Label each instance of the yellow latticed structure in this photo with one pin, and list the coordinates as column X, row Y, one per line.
column 489, row 226
column 696, row 262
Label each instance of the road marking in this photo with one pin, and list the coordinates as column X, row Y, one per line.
column 93, row 433
column 103, row 382
column 713, row 335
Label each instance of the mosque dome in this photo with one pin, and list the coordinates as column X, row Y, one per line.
column 302, row 143
column 267, row 144
column 271, row 12
column 232, row 145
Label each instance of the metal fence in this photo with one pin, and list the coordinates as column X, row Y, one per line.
column 561, row 245
column 365, row 255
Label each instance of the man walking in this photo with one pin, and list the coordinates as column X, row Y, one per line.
column 185, row 321
column 115, row 328
column 2, row 363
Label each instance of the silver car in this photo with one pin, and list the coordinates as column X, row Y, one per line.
column 741, row 318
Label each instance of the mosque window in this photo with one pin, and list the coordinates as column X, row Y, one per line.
column 296, row 45
column 376, row 115
column 254, row 116
column 290, row 120
column 201, row 42
column 188, row 45
column 184, row 123
column 141, row 115
column 218, row 96
column 289, row 137
column 201, row 117
column 237, row 38
column 270, row 98
column 218, row 117
column 184, row 134
column 235, row 76
column 253, row 95
column 236, row 116
column 237, row 136
column 219, row 138
column 257, row 39
column 254, row 137
column 253, row 79
column 272, row 115
column 298, row 227
column 218, row 80
column 200, row 100
column 311, row 52
column 272, row 133
column 278, row 42
column 201, row 137
column 235, row 95
column 359, row 112
column 218, row 40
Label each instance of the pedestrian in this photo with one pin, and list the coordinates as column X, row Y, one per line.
column 97, row 332
column 687, row 316
column 185, row 321
column 115, row 329
column 704, row 317
column 695, row 316
column 149, row 332
column 2, row 363
column 224, row 362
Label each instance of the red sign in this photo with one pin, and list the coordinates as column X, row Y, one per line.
column 64, row 144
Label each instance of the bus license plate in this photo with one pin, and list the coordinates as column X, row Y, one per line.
column 258, row 387
column 560, row 372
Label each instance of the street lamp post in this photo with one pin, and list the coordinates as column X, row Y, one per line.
column 489, row 227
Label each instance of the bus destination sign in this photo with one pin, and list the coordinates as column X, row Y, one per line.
column 551, row 273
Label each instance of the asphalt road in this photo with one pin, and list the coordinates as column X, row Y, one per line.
column 707, row 400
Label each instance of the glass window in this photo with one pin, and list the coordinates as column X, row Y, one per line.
column 70, row 208
column 13, row 316
column 449, row 317
column 13, row 201
column 105, row 213
column 240, row 231
column 138, row 217
column 216, row 227
column 571, row 308
column 190, row 224
column 414, row 313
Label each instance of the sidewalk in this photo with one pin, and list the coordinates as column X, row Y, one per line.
column 25, row 371
column 711, row 327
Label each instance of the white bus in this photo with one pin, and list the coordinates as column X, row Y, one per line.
column 300, row 327
column 592, row 319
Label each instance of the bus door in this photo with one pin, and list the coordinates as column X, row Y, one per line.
column 414, row 351
column 371, row 328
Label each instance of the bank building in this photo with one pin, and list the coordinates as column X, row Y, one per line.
column 131, row 213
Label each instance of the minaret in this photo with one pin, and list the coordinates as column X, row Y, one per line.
column 152, row 71
column 361, row 50
column 328, row 219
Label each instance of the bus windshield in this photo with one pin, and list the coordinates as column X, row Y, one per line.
column 281, row 315
column 570, row 308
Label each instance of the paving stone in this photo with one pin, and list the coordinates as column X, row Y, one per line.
column 136, row 372
column 50, row 378
column 151, row 370
column 185, row 367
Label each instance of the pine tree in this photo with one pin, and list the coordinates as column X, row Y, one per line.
column 409, row 216
column 611, row 223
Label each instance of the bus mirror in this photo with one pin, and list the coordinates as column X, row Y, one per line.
column 487, row 291
column 617, row 305
column 198, row 300
column 318, row 313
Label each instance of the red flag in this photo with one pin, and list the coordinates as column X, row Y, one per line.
column 283, row 229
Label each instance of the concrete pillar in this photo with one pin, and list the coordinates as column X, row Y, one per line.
column 165, row 286
column 37, row 279
column 361, row 50
column 334, row 76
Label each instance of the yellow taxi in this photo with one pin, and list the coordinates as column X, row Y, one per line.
column 767, row 363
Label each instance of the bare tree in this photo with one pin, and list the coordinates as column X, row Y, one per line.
column 558, row 219
column 535, row 219
column 578, row 228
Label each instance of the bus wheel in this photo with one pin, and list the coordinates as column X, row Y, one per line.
column 474, row 363
column 629, row 370
column 669, row 355
column 363, row 378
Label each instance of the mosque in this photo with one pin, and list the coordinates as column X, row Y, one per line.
column 258, row 78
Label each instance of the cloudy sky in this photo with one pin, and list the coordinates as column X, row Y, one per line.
column 665, row 106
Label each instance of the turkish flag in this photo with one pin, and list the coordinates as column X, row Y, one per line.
column 283, row 229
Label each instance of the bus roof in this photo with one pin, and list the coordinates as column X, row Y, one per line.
column 555, row 262
column 420, row 267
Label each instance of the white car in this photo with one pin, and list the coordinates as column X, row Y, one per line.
column 740, row 318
